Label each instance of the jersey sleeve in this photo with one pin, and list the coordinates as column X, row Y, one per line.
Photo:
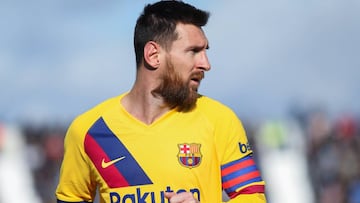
column 241, row 178
column 74, row 182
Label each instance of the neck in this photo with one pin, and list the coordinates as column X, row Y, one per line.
column 144, row 106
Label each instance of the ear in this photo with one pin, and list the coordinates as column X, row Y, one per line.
column 151, row 54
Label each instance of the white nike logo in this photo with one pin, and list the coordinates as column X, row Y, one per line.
column 107, row 164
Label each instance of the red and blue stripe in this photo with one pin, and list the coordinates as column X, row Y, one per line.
column 240, row 173
column 101, row 143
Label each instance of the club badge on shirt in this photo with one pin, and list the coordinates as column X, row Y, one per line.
column 189, row 155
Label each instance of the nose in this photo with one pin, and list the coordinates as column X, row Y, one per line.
column 204, row 63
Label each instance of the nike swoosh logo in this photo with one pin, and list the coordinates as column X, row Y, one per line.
column 107, row 164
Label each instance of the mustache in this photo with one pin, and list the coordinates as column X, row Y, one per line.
column 198, row 76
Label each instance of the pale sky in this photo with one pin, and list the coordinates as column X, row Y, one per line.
column 59, row 58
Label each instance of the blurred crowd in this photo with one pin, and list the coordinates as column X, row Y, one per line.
column 333, row 158
column 307, row 158
column 310, row 157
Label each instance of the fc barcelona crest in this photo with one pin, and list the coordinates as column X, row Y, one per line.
column 189, row 155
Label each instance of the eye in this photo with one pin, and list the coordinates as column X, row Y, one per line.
column 195, row 50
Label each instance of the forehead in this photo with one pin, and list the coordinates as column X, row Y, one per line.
column 190, row 35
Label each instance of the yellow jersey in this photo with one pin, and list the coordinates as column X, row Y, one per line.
column 203, row 151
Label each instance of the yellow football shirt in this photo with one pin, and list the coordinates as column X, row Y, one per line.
column 126, row 161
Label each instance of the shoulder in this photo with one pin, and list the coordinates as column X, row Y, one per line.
column 98, row 110
column 84, row 121
column 217, row 113
column 214, row 108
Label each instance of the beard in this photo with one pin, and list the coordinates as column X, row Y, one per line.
column 176, row 92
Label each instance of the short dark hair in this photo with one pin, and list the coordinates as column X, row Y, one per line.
column 158, row 22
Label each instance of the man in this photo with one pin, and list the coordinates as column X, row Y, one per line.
column 161, row 141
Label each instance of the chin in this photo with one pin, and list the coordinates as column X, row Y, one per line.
column 194, row 88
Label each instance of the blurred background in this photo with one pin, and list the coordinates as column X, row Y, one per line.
column 289, row 69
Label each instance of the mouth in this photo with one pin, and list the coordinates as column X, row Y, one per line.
column 197, row 77
column 196, row 80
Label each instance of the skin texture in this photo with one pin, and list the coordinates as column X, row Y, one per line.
column 185, row 66
column 184, row 197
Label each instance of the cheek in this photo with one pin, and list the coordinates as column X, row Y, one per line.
column 184, row 64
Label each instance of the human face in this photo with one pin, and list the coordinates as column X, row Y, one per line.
column 185, row 65
column 188, row 54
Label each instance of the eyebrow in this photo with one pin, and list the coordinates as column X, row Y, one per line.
column 198, row 47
